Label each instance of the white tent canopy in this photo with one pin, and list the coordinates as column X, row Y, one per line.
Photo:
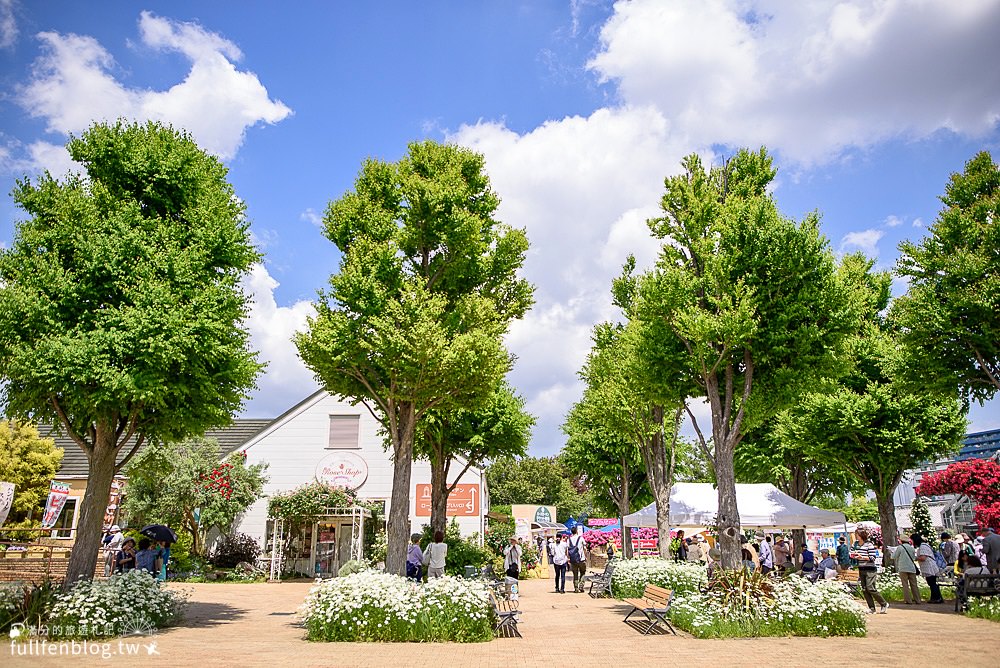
column 695, row 504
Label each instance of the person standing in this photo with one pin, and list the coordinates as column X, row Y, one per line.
column 560, row 558
column 577, row 558
column 905, row 560
column 435, row 556
column 679, row 547
column 949, row 550
column 512, row 559
column 782, row 554
column 113, row 541
column 414, row 559
column 928, row 567
column 866, row 554
column 991, row 549
column 766, row 556
column 843, row 554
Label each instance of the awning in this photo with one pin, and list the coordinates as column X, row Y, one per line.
column 547, row 526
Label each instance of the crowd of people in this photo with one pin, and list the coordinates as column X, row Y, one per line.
column 123, row 554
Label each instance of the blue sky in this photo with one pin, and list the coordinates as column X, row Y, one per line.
column 580, row 107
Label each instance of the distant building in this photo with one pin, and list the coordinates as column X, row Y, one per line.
column 949, row 511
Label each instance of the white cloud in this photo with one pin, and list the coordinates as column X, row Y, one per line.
column 865, row 240
column 73, row 85
column 311, row 216
column 808, row 79
column 582, row 188
column 918, row 222
column 286, row 380
column 893, row 221
column 8, row 25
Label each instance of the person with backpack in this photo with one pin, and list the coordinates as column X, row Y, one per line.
column 928, row 566
column 577, row 558
column 949, row 550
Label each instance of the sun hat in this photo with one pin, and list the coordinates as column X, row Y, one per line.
column 825, row 549
column 959, row 539
column 759, row 535
column 115, row 528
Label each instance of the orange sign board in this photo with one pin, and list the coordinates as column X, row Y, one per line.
column 463, row 501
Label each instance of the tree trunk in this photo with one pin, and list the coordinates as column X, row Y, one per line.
column 728, row 519
column 798, row 540
column 89, row 528
column 657, row 471
column 398, row 529
column 439, row 494
column 887, row 518
column 624, row 504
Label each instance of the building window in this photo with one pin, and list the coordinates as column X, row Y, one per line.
column 344, row 431
column 67, row 520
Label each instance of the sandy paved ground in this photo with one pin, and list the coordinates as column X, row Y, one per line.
column 256, row 625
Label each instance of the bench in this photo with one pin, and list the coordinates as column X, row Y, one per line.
column 507, row 616
column 601, row 580
column 654, row 604
column 850, row 578
column 975, row 584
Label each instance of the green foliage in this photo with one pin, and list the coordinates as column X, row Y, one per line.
column 309, row 501
column 233, row 549
column 27, row 604
column 920, row 517
column 860, row 509
column 462, row 551
column 536, row 480
column 950, row 315
column 351, row 567
column 426, row 288
column 30, row 462
column 120, row 302
column 168, row 483
column 985, row 608
column 498, row 536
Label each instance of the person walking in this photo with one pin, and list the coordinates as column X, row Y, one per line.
column 512, row 559
column 577, row 558
column 560, row 558
column 928, row 567
column 414, row 559
column 435, row 556
column 866, row 554
column 905, row 560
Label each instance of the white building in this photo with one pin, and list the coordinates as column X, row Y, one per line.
column 326, row 438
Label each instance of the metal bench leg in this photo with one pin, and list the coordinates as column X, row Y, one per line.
column 630, row 614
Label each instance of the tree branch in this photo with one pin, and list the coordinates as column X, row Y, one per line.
column 135, row 448
column 69, row 428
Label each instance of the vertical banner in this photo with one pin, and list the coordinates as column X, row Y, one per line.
column 111, row 512
column 58, row 493
column 6, row 500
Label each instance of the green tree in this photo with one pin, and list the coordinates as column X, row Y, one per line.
column 920, row 518
column 950, row 315
column 611, row 463
column 187, row 485
column 742, row 309
column 871, row 425
column 623, row 390
column 427, row 287
column 543, row 481
column 470, row 437
column 29, row 462
column 120, row 307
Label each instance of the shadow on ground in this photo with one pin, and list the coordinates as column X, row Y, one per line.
column 203, row 614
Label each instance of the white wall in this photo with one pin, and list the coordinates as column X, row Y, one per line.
column 295, row 443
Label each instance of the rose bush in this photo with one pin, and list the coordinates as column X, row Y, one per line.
column 380, row 607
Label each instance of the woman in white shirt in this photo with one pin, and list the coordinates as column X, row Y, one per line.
column 560, row 558
column 435, row 555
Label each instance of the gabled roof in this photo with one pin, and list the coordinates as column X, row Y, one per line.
column 74, row 462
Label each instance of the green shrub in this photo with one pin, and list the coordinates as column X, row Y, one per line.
column 27, row 604
column 235, row 548
column 351, row 567
column 985, row 608
column 632, row 575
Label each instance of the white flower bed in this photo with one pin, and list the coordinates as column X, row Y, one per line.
column 122, row 604
column 632, row 575
column 377, row 606
column 797, row 607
